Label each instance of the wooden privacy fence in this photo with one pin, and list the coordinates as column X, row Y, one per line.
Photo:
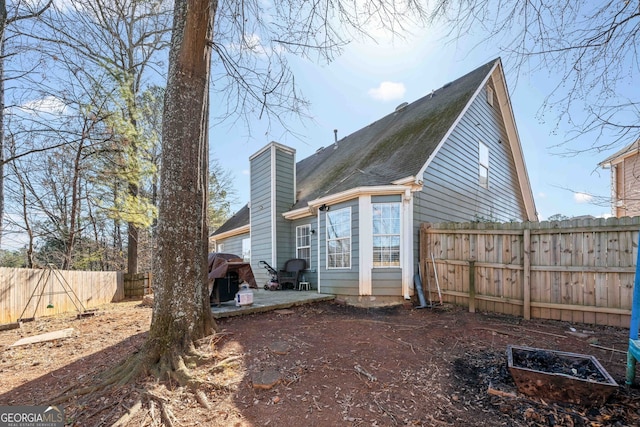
column 36, row 293
column 577, row 271
column 137, row 285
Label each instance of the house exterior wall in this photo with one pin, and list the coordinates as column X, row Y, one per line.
column 627, row 189
column 342, row 281
column 311, row 275
column 386, row 281
column 451, row 190
column 260, row 214
column 272, row 193
column 233, row 245
column 284, row 199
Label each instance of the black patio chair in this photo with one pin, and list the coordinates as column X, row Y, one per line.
column 291, row 272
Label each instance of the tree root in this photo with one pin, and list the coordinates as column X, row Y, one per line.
column 223, row 364
column 123, row 420
column 120, row 375
column 174, row 369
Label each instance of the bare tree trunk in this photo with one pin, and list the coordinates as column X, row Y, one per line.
column 3, row 25
column 182, row 313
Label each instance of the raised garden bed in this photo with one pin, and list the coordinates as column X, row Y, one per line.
column 560, row 376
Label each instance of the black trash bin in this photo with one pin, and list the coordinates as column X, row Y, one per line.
column 225, row 288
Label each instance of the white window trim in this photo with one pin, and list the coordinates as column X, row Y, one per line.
column 308, row 227
column 399, row 234
column 246, row 240
column 483, row 166
column 350, row 237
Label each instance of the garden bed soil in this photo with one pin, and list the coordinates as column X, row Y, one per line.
column 318, row 365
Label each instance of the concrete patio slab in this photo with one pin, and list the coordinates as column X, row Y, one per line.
column 264, row 300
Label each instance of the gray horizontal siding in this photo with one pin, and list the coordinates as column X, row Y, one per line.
column 285, row 192
column 386, row 281
column 233, row 245
column 451, row 190
column 341, row 281
column 261, row 244
column 311, row 275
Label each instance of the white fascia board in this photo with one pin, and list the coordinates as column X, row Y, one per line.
column 508, row 118
column 298, row 213
column 378, row 190
column 268, row 147
column 231, row 233
column 365, row 219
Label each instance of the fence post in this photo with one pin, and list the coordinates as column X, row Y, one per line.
column 472, row 286
column 526, row 282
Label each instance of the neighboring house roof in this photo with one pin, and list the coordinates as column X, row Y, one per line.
column 627, row 151
column 394, row 147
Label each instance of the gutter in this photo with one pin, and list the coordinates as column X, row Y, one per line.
column 410, row 184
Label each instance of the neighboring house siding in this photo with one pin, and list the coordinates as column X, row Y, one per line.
column 340, row 281
column 630, row 194
column 261, row 248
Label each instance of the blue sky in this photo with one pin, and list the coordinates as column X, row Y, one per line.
column 370, row 79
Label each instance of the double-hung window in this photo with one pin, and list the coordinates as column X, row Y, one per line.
column 483, row 165
column 339, row 238
column 246, row 250
column 386, row 234
column 303, row 243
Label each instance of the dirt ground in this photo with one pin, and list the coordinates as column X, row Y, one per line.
column 318, row 365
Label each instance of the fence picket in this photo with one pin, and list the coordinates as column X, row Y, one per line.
column 33, row 292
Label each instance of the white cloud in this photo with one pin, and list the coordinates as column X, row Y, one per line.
column 48, row 105
column 246, row 172
column 542, row 195
column 582, row 197
column 388, row 91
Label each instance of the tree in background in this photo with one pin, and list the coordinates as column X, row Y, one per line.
column 123, row 42
column 557, row 217
column 591, row 45
column 222, row 195
column 18, row 11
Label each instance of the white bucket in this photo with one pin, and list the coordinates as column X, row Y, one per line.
column 244, row 296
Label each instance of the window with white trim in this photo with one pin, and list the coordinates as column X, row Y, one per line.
column 339, row 238
column 489, row 95
column 303, row 243
column 386, row 234
column 246, row 249
column 483, row 165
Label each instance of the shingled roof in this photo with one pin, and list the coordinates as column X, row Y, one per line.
column 394, row 147
column 630, row 149
column 239, row 219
